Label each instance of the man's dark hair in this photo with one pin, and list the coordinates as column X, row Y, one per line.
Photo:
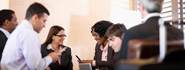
column 36, row 8
column 5, row 14
column 101, row 27
column 116, row 30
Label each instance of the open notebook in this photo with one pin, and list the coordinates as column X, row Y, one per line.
column 85, row 66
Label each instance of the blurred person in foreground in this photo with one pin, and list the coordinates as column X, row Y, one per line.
column 149, row 29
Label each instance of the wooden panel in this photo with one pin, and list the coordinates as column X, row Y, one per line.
column 143, row 49
column 133, row 4
column 175, row 10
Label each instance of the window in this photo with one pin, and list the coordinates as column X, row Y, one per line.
column 181, row 13
column 123, row 11
column 166, row 12
column 173, row 11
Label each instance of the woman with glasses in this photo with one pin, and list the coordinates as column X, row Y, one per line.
column 54, row 43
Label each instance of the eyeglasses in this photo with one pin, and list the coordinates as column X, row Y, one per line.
column 61, row 35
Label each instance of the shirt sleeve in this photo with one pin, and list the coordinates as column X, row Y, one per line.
column 32, row 53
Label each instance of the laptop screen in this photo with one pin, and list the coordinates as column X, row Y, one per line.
column 85, row 66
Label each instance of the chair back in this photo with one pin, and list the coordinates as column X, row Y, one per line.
column 143, row 49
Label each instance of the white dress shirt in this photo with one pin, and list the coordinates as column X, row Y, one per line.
column 104, row 52
column 23, row 50
column 7, row 34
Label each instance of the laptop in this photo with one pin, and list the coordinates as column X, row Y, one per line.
column 85, row 66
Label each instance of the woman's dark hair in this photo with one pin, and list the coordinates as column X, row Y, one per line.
column 116, row 29
column 53, row 31
column 101, row 27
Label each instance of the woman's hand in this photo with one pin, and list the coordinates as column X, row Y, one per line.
column 93, row 63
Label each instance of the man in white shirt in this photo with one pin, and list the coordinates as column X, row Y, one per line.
column 8, row 22
column 22, row 50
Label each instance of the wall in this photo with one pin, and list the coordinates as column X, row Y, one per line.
column 4, row 4
column 76, row 16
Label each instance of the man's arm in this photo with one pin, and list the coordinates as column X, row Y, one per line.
column 32, row 54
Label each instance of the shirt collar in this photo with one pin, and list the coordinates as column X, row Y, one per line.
column 60, row 49
column 105, row 48
column 151, row 15
column 7, row 34
column 50, row 47
column 26, row 22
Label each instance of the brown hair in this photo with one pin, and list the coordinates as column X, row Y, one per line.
column 116, row 29
column 53, row 31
